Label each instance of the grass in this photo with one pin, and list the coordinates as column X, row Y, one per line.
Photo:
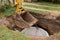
column 6, row 34
column 7, row 10
column 45, row 7
column 35, row 11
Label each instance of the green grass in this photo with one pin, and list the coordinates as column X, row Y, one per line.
column 44, row 7
column 7, row 10
column 35, row 11
column 6, row 34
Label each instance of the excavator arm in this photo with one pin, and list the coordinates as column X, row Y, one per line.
column 19, row 6
column 25, row 19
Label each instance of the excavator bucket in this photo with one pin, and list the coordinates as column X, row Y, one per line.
column 21, row 21
column 25, row 20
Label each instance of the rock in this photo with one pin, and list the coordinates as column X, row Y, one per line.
column 41, row 32
column 33, row 31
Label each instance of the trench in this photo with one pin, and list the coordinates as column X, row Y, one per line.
column 48, row 25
